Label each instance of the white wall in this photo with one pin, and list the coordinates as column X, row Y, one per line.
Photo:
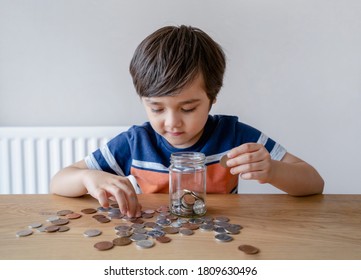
column 294, row 68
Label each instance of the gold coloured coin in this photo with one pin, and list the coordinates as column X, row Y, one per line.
column 88, row 211
column 163, row 239
column 103, row 245
column 52, row 228
column 73, row 216
column 223, row 161
column 248, row 249
column 122, row 241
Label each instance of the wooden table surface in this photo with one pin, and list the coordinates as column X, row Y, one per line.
column 282, row 227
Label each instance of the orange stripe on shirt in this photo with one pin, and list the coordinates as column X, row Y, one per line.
column 219, row 180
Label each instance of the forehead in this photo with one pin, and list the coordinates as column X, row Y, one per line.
column 191, row 93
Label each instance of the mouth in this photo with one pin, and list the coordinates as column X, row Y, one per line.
column 174, row 134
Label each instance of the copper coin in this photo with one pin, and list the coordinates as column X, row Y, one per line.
column 25, row 232
column 122, row 241
column 248, row 249
column 223, row 161
column 64, row 212
column 60, row 222
column 163, row 239
column 89, row 211
column 190, row 226
column 103, row 245
column 171, row 230
column 103, row 220
column 53, row 228
column 114, row 205
column 73, row 216
column 97, row 216
column 63, row 228
column 147, row 216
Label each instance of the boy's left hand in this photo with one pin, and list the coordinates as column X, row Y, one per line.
column 251, row 161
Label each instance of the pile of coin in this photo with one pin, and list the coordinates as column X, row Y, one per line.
column 143, row 233
column 186, row 203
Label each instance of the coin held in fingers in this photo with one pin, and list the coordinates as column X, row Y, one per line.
column 223, row 161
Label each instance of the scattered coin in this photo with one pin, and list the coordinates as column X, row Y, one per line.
column 248, row 249
column 89, row 211
column 186, row 231
column 138, row 237
column 52, row 218
column 24, row 232
column 73, row 216
column 223, row 237
column 64, row 212
column 92, row 232
column 52, row 228
column 122, row 241
column 103, row 245
column 163, row 239
column 145, row 244
column 63, row 228
column 60, row 222
column 35, row 225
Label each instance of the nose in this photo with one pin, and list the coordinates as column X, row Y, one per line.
column 173, row 120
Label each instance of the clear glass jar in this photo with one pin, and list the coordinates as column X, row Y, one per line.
column 187, row 184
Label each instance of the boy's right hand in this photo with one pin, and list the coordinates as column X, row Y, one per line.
column 104, row 186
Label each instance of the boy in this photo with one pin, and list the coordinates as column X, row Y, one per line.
column 178, row 72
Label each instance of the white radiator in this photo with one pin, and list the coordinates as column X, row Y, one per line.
column 30, row 156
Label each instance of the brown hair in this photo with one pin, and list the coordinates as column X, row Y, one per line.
column 172, row 57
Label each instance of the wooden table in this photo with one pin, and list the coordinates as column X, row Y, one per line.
column 282, row 227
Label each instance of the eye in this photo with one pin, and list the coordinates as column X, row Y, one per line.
column 188, row 110
column 154, row 110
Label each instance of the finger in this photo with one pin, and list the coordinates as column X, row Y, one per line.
column 119, row 197
column 244, row 148
column 130, row 196
column 251, row 157
column 102, row 197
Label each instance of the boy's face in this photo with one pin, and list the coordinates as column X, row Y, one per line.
column 180, row 119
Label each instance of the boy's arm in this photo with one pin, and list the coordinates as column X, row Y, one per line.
column 253, row 162
column 77, row 180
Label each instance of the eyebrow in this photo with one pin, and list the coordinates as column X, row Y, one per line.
column 190, row 101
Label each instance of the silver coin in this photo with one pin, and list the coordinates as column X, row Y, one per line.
column 219, row 230
column 24, row 232
column 186, row 231
column 122, row 228
column 206, row 227
column 145, row 244
column 137, row 226
column 35, row 225
column 52, row 218
column 199, row 207
column 140, row 230
column 124, row 233
column 138, row 237
column 223, row 237
column 195, row 221
column 221, row 219
column 92, row 232
column 155, row 233
column 41, row 229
